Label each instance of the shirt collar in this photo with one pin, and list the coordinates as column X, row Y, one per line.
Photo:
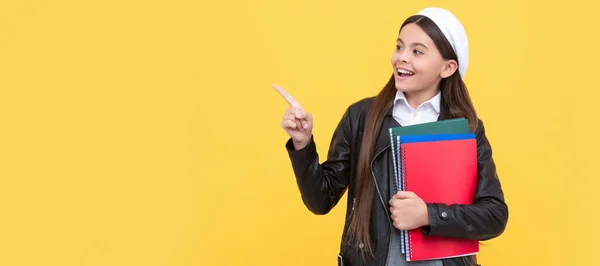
column 434, row 102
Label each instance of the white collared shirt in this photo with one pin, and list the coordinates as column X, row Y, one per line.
column 406, row 115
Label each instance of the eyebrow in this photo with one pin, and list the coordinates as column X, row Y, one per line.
column 415, row 44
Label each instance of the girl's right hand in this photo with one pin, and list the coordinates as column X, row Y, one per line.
column 296, row 122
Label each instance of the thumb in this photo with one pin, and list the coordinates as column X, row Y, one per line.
column 305, row 118
column 404, row 195
column 300, row 114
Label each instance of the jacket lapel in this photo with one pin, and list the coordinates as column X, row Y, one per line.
column 384, row 142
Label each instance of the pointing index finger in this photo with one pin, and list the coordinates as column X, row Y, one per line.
column 288, row 98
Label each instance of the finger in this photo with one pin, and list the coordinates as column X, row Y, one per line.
column 304, row 123
column 295, row 112
column 292, row 116
column 299, row 124
column 289, row 124
column 301, row 114
column 308, row 120
column 304, row 117
column 288, row 98
column 404, row 195
column 289, row 116
column 299, row 118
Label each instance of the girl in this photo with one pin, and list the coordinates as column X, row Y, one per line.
column 428, row 65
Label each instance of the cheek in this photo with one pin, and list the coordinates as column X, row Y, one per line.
column 426, row 68
column 393, row 58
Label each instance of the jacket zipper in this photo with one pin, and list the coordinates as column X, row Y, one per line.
column 382, row 203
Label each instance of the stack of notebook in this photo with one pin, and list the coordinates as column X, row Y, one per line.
column 438, row 162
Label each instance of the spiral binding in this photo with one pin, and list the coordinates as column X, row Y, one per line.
column 400, row 187
column 403, row 171
column 403, row 166
column 396, row 172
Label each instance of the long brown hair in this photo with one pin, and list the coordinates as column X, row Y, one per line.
column 455, row 103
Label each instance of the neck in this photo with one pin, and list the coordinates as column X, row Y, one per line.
column 415, row 99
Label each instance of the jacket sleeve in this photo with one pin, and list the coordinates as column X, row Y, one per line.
column 486, row 218
column 322, row 185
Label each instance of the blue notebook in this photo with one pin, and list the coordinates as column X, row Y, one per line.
column 435, row 137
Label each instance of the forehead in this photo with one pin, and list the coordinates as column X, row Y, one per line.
column 411, row 33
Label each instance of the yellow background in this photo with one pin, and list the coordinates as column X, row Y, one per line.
column 145, row 133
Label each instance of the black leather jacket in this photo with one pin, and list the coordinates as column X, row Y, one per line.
column 322, row 186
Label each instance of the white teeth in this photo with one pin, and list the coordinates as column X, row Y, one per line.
column 402, row 71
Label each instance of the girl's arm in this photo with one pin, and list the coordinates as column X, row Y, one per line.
column 322, row 185
column 486, row 218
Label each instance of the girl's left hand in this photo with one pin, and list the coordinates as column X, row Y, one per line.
column 408, row 211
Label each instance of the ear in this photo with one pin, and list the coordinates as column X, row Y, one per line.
column 449, row 68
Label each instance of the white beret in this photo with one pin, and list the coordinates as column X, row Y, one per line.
column 454, row 32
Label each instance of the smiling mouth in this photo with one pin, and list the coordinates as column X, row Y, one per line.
column 404, row 73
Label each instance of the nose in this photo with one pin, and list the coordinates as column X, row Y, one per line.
column 402, row 57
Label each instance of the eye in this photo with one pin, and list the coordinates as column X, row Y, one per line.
column 417, row 52
column 398, row 47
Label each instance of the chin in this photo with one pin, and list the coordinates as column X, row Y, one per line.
column 404, row 88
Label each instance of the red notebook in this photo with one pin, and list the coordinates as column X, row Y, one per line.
column 440, row 171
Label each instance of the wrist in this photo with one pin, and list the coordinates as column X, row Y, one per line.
column 425, row 220
column 298, row 145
